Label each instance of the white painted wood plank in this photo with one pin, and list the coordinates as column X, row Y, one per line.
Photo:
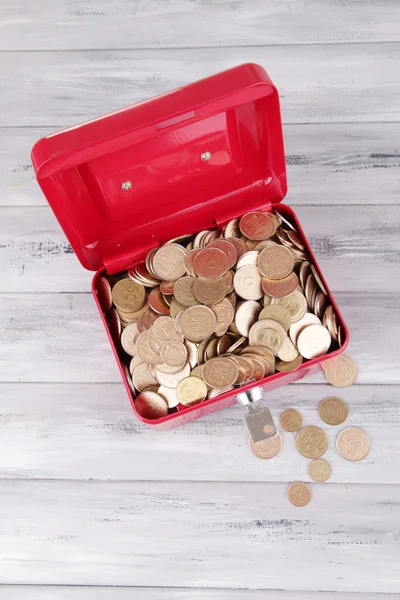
column 356, row 247
column 328, row 83
column 88, row 431
column 34, row 592
column 230, row 535
column 331, row 163
column 171, row 23
column 60, row 338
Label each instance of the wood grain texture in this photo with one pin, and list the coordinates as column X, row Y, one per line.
column 357, row 248
column 330, row 163
column 48, row 592
column 60, row 338
column 230, row 535
column 170, row 23
column 328, row 83
column 88, row 431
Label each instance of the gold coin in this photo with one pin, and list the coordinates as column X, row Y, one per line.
column 183, row 291
column 275, row 262
column 291, row 420
column 353, row 444
column 150, row 405
column 277, row 313
column 288, row 367
column 247, row 283
column 191, row 391
column 174, row 353
column 295, row 328
column 224, row 314
column 198, row 323
column 246, row 315
column 220, row 372
column 342, row 371
column 267, row 333
column 311, row 441
column 128, row 295
column 288, row 352
column 209, row 291
column 142, row 377
column 333, row 410
column 295, row 303
column 144, row 350
column 169, row 262
column 313, row 341
column 171, row 380
column 245, row 367
column 319, row 469
column 128, row 339
column 299, row 493
column 197, row 371
column 266, row 448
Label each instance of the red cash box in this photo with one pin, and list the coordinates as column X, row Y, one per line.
column 132, row 180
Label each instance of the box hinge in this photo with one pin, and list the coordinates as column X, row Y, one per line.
column 122, row 261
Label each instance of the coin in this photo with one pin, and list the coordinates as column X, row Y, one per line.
column 288, row 352
column 318, row 280
column 191, row 391
column 210, row 263
column 291, row 420
column 266, row 448
column 353, row 444
column 299, row 493
column 295, row 328
column 171, row 380
column 198, row 323
column 311, row 441
column 142, row 377
column 247, row 283
column 295, row 304
column 304, row 273
column 277, row 313
column 228, row 248
column 342, row 371
column 169, row 262
column 209, row 291
column 269, row 333
column 232, row 229
column 285, row 220
column 150, row 405
column 220, row 372
column 246, row 315
column 174, row 353
column 240, row 246
column 128, row 339
column 183, row 291
column 313, row 341
column 157, row 302
column 333, row 410
column 319, row 469
column 257, row 225
column 103, row 293
column 288, row 367
column 249, row 258
column 280, row 287
column 224, row 314
column 188, row 260
column 128, row 295
column 275, row 262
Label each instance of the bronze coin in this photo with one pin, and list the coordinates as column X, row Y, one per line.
column 295, row 304
column 311, row 441
column 191, row 390
column 128, row 295
column 174, row 353
column 277, row 313
column 299, row 493
column 342, row 371
column 266, row 448
column 333, row 410
column 210, row 263
column 224, row 314
column 288, row 367
column 319, row 469
column 150, row 405
column 157, row 302
column 318, row 280
column 245, row 366
column 198, row 323
column 209, row 291
column 188, row 260
column 228, row 248
column 220, row 372
column 305, row 272
column 353, row 444
column 103, row 293
column 183, row 291
column 169, row 262
column 275, row 262
column 280, row 287
column 257, row 225
column 240, row 246
column 167, row 287
column 291, row 420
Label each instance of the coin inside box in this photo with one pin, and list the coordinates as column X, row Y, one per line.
column 193, row 160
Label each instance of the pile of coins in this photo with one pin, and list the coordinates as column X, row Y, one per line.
column 206, row 313
column 311, row 441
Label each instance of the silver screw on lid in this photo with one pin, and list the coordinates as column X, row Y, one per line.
column 206, row 156
column 126, row 185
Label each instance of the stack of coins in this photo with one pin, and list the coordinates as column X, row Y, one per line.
column 206, row 313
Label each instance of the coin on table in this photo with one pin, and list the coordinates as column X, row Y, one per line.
column 247, row 283
column 277, row 288
column 128, row 295
column 209, row 291
column 277, row 313
column 198, row 323
column 269, row 333
column 266, row 448
column 246, row 315
column 257, row 225
column 191, row 390
column 299, row 493
column 341, row 371
column 311, row 441
column 220, row 372
column 151, row 405
column 319, row 469
column 169, row 262
column 128, row 339
column 174, row 353
column 353, row 444
column 291, row 420
column 313, row 341
column 333, row 410
column 210, row 263
column 275, row 262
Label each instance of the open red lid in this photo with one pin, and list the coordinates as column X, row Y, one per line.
column 172, row 165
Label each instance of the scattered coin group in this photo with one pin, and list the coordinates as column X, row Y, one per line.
column 311, row 441
column 206, row 313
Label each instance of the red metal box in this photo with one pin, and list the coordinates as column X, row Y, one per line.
column 130, row 181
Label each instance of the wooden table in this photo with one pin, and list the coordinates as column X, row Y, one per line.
column 90, row 498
